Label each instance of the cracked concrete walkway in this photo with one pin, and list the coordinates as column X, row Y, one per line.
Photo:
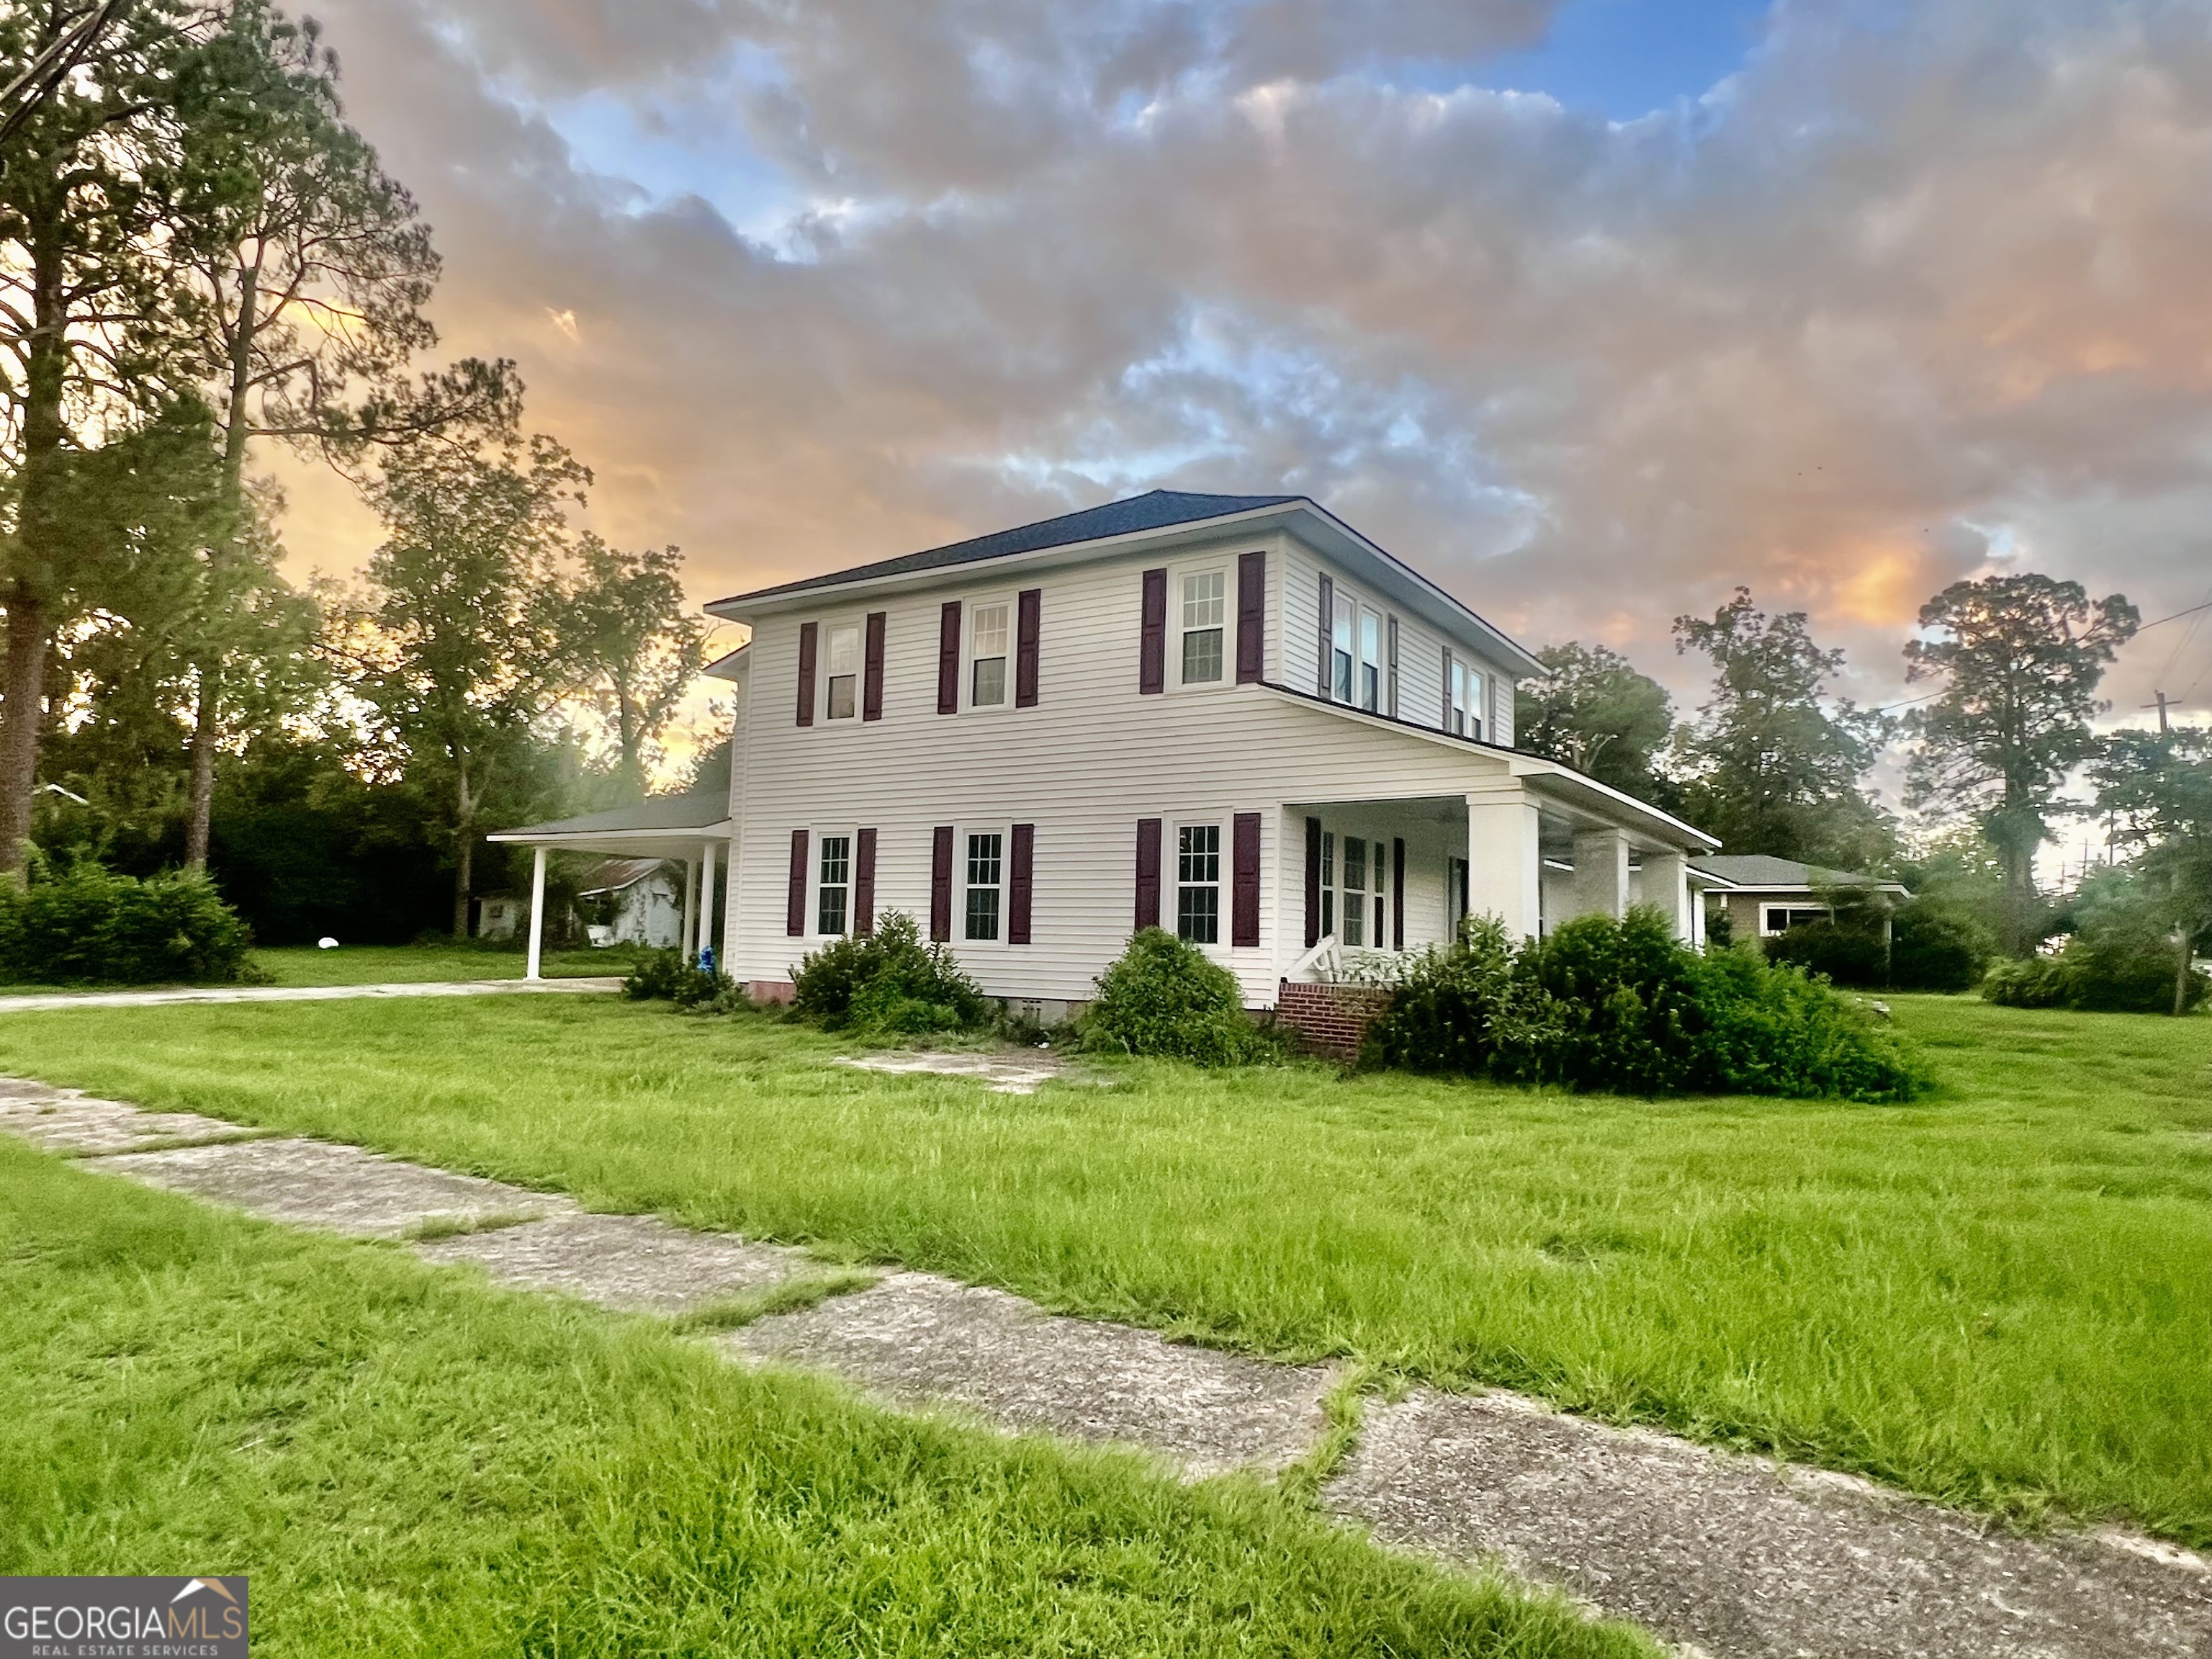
column 1731, row 1557
column 438, row 987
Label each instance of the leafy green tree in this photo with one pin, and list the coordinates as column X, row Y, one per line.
column 310, row 273
column 1593, row 710
column 1771, row 764
column 2158, row 786
column 91, row 322
column 2021, row 658
column 630, row 642
column 458, row 656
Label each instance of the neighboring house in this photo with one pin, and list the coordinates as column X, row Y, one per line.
column 1233, row 716
column 691, row 830
column 1763, row 896
column 498, row 914
column 644, row 900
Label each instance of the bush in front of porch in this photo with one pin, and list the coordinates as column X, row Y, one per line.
column 1623, row 1006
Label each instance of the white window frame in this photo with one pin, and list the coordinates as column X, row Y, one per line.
column 816, row 837
column 1466, row 694
column 1178, row 577
column 1328, row 919
column 961, row 886
column 858, row 675
column 1220, row 883
column 1795, row 913
column 970, row 613
column 1367, row 682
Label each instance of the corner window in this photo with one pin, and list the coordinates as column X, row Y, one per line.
column 1203, row 602
column 1371, row 662
column 1339, row 638
column 1355, row 891
column 986, row 866
column 844, row 673
column 1198, row 883
column 1328, row 882
column 834, row 886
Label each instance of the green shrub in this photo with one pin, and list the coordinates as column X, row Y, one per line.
column 1625, row 1006
column 88, row 926
column 668, row 975
column 1163, row 997
column 2111, row 969
column 890, row 983
column 1845, row 954
column 1935, row 946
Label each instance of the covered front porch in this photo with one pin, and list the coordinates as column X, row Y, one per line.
column 692, row 830
column 1386, row 876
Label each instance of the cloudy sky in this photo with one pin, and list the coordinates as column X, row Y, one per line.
column 1592, row 309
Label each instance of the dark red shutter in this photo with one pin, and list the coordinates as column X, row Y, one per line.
column 1398, row 894
column 1327, row 620
column 872, row 682
column 1244, row 889
column 1152, row 643
column 794, row 903
column 864, row 884
column 1391, row 697
column 1148, row 872
column 948, row 658
column 1028, row 617
column 940, row 883
column 1313, row 883
column 1251, row 618
column 806, row 641
column 1018, row 870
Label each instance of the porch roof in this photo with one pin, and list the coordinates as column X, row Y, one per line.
column 666, row 827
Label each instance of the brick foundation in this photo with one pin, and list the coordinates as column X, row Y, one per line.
column 1331, row 1020
column 770, row 993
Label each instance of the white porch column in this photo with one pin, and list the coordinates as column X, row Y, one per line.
column 689, row 943
column 706, row 899
column 1504, row 862
column 536, row 911
column 1601, row 873
column 1667, row 884
column 728, row 951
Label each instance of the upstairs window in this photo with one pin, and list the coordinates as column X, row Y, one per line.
column 1466, row 700
column 843, row 702
column 1371, row 661
column 1339, row 635
column 1355, row 891
column 1198, row 884
column 987, row 653
column 985, row 875
column 834, row 889
column 1203, row 602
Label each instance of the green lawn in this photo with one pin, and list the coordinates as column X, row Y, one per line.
column 415, row 964
column 1998, row 1296
column 407, row 1461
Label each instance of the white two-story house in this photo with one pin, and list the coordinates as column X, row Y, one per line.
column 1230, row 716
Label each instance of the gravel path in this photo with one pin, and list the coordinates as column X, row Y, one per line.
column 1729, row 1557
column 444, row 988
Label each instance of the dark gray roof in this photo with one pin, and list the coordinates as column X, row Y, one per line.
column 1153, row 511
column 1763, row 869
column 661, row 812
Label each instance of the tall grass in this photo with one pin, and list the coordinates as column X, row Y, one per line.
column 407, row 1462
column 1997, row 1296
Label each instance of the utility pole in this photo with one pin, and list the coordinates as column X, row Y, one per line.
column 2165, row 725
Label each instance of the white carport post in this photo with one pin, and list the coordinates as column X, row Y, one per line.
column 536, row 911
column 1504, row 859
column 706, row 899
column 689, row 943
